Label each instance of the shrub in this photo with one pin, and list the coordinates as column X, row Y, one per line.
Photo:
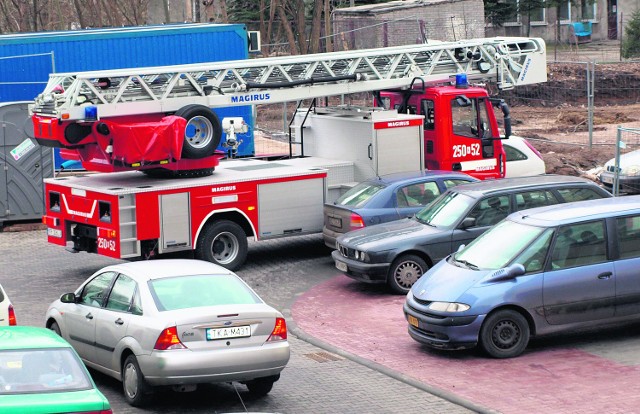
column 631, row 42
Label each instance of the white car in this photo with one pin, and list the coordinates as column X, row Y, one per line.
column 7, row 314
column 628, row 174
column 175, row 323
column 522, row 158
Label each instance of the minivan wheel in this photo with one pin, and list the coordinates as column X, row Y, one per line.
column 504, row 334
column 404, row 272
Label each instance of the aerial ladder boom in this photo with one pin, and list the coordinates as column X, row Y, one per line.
column 505, row 61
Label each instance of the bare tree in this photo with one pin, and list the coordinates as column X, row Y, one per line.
column 327, row 26
column 286, row 25
column 316, row 26
column 79, row 6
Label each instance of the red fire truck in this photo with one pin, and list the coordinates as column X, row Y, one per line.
column 158, row 120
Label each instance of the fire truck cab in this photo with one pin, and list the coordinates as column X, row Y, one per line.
column 460, row 127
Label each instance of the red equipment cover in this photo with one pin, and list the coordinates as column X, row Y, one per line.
column 145, row 142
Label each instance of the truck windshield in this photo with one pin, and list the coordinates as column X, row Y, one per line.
column 499, row 246
column 446, row 210
column 359, row 194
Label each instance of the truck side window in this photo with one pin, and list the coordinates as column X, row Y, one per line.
column 471, row 120
column 427, row 109
column 464, row 119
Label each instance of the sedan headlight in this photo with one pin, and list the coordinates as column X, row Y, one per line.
column 362, row 256
column 448, row 307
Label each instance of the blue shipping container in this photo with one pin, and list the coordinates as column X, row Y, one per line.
column 27, row 59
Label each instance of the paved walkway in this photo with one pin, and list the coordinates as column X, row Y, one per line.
column 583, row 373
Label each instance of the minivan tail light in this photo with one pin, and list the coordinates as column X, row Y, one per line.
column 169, row 339
column 356, row 221
column 279, row 332
column 12, row 316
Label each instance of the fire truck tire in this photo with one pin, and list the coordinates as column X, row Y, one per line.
column 203, row 132
column 224, row 243
column 164, row 173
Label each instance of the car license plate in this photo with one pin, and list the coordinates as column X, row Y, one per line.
column 335, row 222
column 413, row 321
column 606, row 179
column 230, row 332
column 342, row 266
column 54, row 232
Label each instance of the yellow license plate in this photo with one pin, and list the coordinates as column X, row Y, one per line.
column 413, row 321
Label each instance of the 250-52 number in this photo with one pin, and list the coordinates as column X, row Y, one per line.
column 106, row 244
column 464, row 150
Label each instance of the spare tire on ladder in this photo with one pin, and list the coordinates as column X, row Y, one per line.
column 203, row 131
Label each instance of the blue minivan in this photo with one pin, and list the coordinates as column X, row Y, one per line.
column 539, row 271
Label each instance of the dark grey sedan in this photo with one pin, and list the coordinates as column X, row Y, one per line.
column 399, row 252
column 383, row 199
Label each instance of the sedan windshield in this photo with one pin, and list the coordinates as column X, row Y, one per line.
column 182, row 292
column 359, row 194
column 499, row 246
column 446, row 210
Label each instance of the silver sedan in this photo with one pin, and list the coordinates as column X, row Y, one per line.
column 172, row 323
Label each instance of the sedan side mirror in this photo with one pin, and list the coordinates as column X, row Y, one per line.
column 68, row 298
column 468, row 222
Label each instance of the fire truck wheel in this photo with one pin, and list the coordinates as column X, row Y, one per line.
column 223, row 242
column 203, row 131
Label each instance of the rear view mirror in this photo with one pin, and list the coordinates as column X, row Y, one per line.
column 463, row 101
column 468, row 222
column 509, row 272
column 68, row 298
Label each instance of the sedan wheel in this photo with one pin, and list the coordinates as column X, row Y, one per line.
column 55, row 328
column 133, row 383
column 404, row 272
column 261, row 386
column 504, row 334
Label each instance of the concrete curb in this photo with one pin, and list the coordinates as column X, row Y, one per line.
column 445, row 395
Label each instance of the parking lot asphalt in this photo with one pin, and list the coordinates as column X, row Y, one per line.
column 316, row 380
column 350, row 349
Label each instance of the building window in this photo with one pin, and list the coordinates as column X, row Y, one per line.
column 538, row 15
column 565, row 11
column 514, row 18
column 588, row 10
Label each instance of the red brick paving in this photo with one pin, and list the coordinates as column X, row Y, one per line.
column 369, row 323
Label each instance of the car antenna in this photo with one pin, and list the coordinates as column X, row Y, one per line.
column 239, row 397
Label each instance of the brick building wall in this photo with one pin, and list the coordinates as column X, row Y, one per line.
column 407, row 22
